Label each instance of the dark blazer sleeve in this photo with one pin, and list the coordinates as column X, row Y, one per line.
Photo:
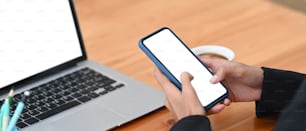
column 293, row 117
column 278, row 90
column 192, row 123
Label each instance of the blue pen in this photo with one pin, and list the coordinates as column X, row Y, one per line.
column 17, row 113
column 1, row 114
column 6, row 115
column 16, row 116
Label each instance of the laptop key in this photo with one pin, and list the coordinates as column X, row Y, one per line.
column 25, row 116
column 31, row 121
column 58, row 110
column 59, row 102
column 110, row 88
column 93, row 95
column 33, row 112
column 21, row 125
column 76, row 95
column 107, row 82
column 84, row 99
column 67, row 98
column 101, row 91
column 42, row 109
column 50, row 105
column 119, row 85
column 30, row 107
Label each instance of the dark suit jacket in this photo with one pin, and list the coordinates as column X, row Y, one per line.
column 283, row 92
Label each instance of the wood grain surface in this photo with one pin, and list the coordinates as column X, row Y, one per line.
column 260, row 33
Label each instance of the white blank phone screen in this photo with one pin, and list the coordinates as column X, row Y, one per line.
column 177, row 59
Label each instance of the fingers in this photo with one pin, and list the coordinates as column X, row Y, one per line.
column 168, row 105
column 226, row 102
column 189, row 95
column 185, row 102
column 159, row 76
column 216, row 109
column 218, row 76
column 173, row 94
column 187, row 89
column 213, row 63
column 167, row 86
column 214, row 79
column 208, row 61
column 219, row 107
column 186, row 79
column 218, row 67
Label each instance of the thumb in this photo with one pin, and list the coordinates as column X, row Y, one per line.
column 186, row 79
column 187, row 88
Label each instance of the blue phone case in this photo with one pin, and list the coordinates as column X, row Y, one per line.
column 166, row 71
column 157, row 62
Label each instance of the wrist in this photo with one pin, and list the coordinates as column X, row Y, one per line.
column 259, row 78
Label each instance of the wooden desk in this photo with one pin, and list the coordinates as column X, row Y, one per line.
column 261, row 34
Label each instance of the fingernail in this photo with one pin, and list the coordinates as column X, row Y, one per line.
column 214, row 79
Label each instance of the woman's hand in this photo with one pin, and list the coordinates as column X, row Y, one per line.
column 184, row 103
column 181, row 103
column 244, row 82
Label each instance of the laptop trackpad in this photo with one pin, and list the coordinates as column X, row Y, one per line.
column 93, row 117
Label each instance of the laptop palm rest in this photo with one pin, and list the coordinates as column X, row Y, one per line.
column 89, row 117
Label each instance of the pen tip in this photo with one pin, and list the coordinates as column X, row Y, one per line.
column 11, row 93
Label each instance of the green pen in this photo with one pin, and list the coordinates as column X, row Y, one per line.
column 10, row 96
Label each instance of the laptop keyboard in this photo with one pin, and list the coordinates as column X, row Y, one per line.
column 63, row 93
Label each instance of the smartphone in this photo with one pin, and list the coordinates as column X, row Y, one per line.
column 173, row 57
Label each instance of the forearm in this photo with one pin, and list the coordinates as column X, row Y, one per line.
column 192, row 123
column 278, row 89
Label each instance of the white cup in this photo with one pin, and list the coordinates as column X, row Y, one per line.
column 214, row 51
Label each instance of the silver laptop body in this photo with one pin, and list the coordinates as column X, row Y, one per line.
column 40, row 41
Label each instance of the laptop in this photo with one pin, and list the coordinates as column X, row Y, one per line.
column 41, row 51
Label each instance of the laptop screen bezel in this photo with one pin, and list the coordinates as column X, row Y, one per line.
column 57, row 68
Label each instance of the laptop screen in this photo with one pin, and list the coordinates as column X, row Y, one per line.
column 35, row 35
